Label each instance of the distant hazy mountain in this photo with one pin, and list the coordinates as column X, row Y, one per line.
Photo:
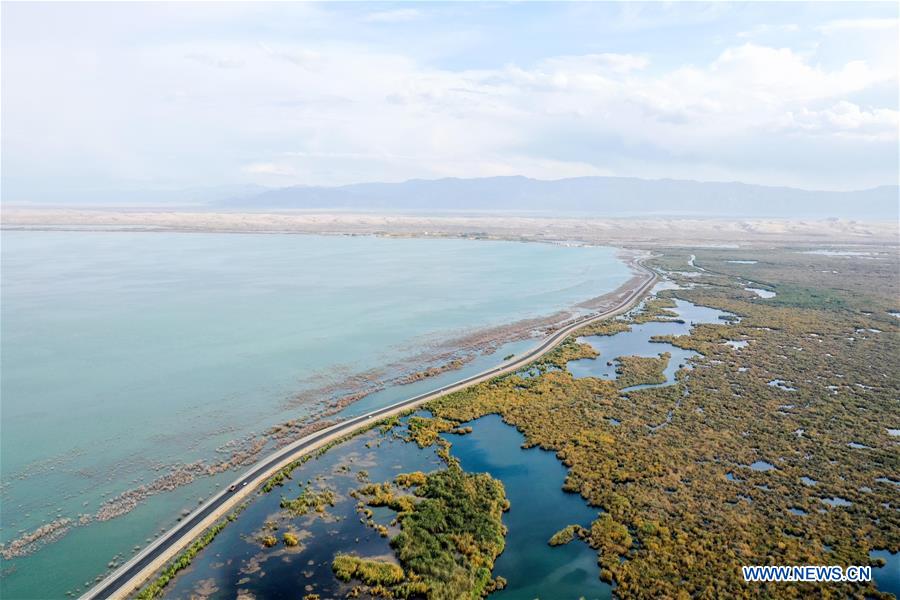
column 609, row 196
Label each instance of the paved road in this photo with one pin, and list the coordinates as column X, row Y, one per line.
column 128, row 576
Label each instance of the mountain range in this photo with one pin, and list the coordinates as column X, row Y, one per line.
column 594, row 196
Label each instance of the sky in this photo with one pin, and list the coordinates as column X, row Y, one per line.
column 105, row 98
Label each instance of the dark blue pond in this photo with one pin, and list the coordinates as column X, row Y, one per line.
column 887, row 578
column 533, row 480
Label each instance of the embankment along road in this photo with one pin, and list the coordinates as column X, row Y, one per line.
column 137, row 570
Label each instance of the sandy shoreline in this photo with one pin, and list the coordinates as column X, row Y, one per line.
column 637, row 231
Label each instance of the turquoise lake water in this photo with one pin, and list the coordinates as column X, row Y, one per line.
column 125, row 353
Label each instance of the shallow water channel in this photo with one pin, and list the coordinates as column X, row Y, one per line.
column 637, row 342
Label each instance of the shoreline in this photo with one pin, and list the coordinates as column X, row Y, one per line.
column 592, row 229
column 142, row 566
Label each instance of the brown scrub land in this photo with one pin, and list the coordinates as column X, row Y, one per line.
column 682, row 509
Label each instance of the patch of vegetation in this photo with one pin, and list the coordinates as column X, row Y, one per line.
column 457, row 559
column 566, row 535
column 449, row 536
column 290, row 539
column 641, row 370
column 569, row 349
column 308, row 499
column 408, row 480
column 605, row 327
column 656, row 309
column 389, row 423
column 385, row 494
column 370, row 572
column 804, row 297
column 424, row 431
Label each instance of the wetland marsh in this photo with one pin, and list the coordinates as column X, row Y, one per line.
column 619, row 454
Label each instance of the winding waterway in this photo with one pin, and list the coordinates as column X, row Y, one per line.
column 638, row 342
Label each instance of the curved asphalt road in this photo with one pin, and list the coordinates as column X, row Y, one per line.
column 131, row 574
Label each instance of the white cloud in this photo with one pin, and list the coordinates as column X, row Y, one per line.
column 782, row 75
column 841, row 25
column 847, row 118
column 399, row 15
column 767, row 29
column 596, row 63
column 212, row 61
column 270, row 169
column 323, row 111
column 301, row 57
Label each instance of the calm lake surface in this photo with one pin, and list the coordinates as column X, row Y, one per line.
column 126, row 353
